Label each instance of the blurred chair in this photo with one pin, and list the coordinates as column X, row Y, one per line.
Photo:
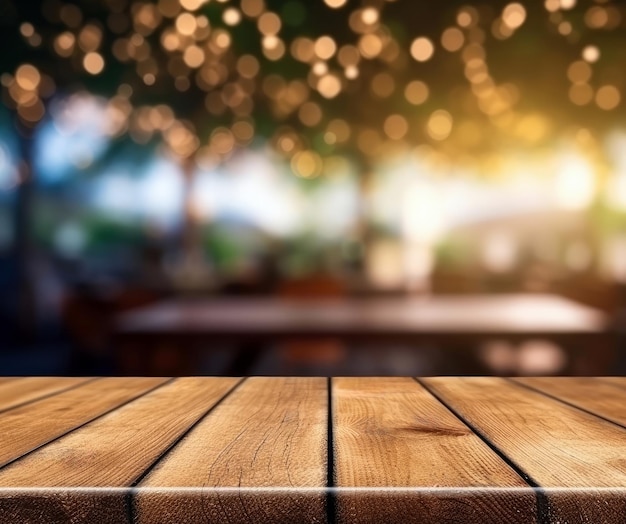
column 88, row 317
column 303, row 356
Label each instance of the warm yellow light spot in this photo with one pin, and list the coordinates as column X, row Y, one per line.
column 222, row 141
column 416, row 92
column 452, row 39
column 28, row 77
column 422, row 49
column 335, row 4
column 248, row 66
column 396, row 127
column 325, row 47
column 514, row 15
column 370, row 45
column 270, row 42
column 269, row 24
column 186, row 24
column 340, row 130
column 93, row 63
column 222, row 39
column 64, row 44
column 351, row 72
column 319, row 68
column 310, row 114
column 193, row 56
column 89, row 38
column 170, row 40
column 306, row 164
column 579, row 72
column 252, row 8
column 294, row 95
column 552, row 5
column 329, row 86
column 581, row 94
column 597, row 17
column 182, row 140
column 467, row 17
column 439, row 125
column 383, row 85
column 608, row 97
column 192, row 5
column 273, row 47
column 567, row 4
column 286, row 144
column 22, row 97
column 533, row 127
column 473, row 51
column 565, row 28
column 147, row 16
column 370, row 15
column 303, row 49
column 591, row 54
column 27, row 30
column 232, row 16
column 348, row 55
column 243, row 131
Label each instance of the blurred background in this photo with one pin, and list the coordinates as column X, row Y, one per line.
column 379, row 152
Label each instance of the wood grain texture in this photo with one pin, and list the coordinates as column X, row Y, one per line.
column 616, row 381
column 30, row 426
column 391, row 433
column 110, row 452
column 604, row 398
column 270, row 433
column 22, row 390
column 576, row 458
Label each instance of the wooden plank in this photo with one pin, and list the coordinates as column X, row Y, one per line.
column 259, row 457
column 616, row 381
column 27, row 427
column 604, row 398
column 16, row 392
column 421, row 463
column 111, row 452
column 577, row 458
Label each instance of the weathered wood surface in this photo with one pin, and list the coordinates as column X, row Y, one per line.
column 270, row 433
column 392, row 433
column 345, row 450
column 111, row 452
column 19, row 391
column 577, row 458
column 27, row 427
column 605, row 397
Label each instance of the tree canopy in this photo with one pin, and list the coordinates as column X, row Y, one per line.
column 328, row 78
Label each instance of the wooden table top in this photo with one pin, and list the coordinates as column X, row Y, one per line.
column 437, row 316
column 186, row 450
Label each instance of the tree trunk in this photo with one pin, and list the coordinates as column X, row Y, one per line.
column 193, row 271
column 23, row 243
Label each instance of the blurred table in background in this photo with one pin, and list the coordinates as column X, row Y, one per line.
column 439, row 320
